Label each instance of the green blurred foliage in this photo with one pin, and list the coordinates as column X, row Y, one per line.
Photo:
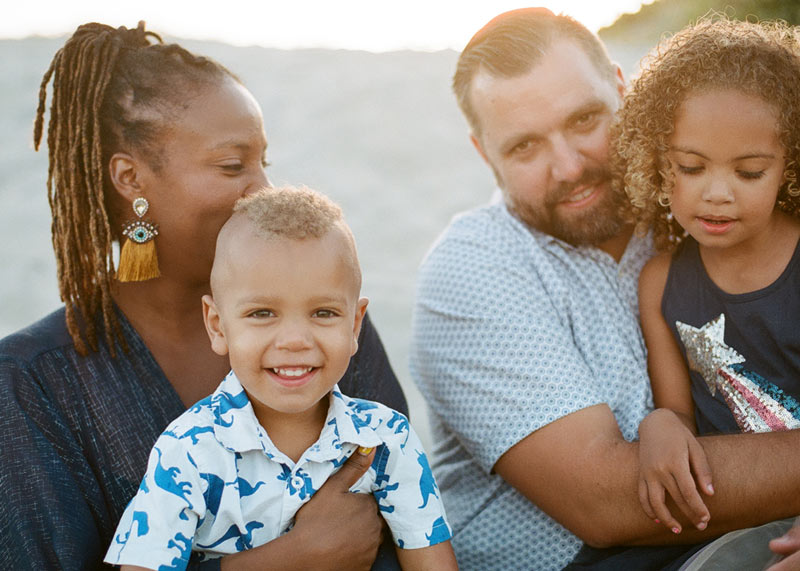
column 664, row 16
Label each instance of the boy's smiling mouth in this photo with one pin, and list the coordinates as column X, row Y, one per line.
column 291, row 371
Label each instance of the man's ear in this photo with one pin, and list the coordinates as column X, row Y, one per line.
column 477, row 144
column 213, row 321
column 125, row 175
column 620, row 80
column 361, row 309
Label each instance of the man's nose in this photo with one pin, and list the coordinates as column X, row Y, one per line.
column 567, row 160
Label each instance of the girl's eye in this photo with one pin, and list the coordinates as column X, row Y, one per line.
column 750, row 175
column 689, row 170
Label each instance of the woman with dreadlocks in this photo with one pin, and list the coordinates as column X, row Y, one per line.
column 149, row 145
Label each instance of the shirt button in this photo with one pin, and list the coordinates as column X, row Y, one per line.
column 298, row 482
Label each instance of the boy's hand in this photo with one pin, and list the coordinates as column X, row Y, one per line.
column 668, row 455
column 343, row 528
column 787, row 546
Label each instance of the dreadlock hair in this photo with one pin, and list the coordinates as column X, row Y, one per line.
column 113, row 89
column 757, row 58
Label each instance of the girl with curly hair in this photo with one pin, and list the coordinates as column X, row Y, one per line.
column 708, row 147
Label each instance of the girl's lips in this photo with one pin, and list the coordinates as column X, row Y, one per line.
column 715, row 224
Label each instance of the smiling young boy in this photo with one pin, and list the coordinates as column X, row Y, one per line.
column 231, row 472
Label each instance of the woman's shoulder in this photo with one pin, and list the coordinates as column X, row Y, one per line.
column 43, row 336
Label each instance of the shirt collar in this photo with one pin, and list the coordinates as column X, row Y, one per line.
column 349, row 421
column 635, row 245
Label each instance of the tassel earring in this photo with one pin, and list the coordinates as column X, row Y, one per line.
column 138, row 260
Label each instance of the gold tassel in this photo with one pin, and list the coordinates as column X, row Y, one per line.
column 138, row 262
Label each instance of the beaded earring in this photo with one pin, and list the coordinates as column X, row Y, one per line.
column 138, row 260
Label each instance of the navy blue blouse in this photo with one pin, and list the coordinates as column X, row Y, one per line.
column 77, row 431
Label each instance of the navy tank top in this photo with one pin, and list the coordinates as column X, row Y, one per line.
column 743, row 350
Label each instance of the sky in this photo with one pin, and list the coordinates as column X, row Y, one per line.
column 373, row 25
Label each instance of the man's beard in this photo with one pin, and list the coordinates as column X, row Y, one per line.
column 593, row 226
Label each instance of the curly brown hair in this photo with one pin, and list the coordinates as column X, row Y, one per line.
column 758, row 58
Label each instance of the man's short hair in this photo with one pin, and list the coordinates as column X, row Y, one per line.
column 512, row 43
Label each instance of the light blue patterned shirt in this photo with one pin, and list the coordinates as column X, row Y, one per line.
column 216, row 484
column 514, row 329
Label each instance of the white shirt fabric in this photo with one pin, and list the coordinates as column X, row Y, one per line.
column 216, row 484
column 514, row 329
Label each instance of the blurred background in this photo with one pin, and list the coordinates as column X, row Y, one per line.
column 357, row 104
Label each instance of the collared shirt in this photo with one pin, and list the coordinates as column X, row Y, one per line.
column 216, row 483
column 514, row 329
column 78, row 429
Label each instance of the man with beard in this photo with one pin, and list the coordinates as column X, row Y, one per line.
column 526, row 341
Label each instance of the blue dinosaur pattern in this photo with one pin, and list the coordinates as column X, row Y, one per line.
column 166, row 479
column 243, row 540
column 184, row 545
column 439, row 532
column 427, row 484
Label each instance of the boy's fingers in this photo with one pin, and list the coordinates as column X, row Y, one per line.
column 358, row 463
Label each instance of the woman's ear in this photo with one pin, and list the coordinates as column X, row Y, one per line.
column 125, row 175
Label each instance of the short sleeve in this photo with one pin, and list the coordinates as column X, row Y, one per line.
column 492, row 353
column 407, row 494
column 159, row 524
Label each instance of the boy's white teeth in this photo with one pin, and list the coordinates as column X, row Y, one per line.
column 293, row 372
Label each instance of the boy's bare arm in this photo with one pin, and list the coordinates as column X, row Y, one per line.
column 434, row 558
column 581, row 471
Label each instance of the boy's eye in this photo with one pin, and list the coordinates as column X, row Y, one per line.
column 750, row 175
column 261, row 313
column 325, row 313
column 689, row 170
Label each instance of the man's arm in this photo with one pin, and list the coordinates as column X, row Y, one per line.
column 586, row 477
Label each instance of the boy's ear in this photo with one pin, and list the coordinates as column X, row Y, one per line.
column 213, row 321
column 361, row 309
column 125, row 175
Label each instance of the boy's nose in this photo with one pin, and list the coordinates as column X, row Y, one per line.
column 293, row 337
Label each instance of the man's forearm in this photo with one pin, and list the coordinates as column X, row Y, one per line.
column 586, row 478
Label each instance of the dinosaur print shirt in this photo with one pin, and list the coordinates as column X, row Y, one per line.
column 216, row 484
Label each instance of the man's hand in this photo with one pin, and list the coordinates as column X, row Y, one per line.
column 788, row 546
